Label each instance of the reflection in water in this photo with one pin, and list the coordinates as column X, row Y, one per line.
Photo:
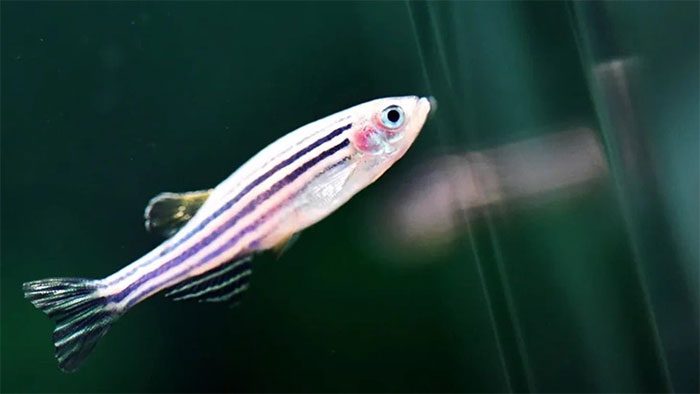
column 432, row 208
column 628, row 128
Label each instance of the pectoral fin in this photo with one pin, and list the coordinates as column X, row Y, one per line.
column 285, row 244
column 325, row 189
column 166, row 213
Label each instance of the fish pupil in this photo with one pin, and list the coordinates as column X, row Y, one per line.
column 393, row 116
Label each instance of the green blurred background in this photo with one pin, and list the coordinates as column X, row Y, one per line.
column 105, row 105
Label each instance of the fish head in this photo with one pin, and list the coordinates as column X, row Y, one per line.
column 385, row 129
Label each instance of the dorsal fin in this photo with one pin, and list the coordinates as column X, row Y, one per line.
column 168, row 212
column 223, row 284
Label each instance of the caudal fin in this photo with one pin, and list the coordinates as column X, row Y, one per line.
column 81, row 314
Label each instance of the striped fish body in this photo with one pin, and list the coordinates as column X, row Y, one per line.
column 291, row 184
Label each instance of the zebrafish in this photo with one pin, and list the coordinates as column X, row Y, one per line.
column 213, row 234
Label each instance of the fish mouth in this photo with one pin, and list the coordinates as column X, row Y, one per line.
column 423, row 108
column 428, row 105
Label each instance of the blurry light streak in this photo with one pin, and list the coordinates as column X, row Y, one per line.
column 443, row 194
column 611, row 97
column 614, row 81
column 444, row 82
column 633, row 173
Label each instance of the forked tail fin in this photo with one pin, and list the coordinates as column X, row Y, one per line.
column 82, row 315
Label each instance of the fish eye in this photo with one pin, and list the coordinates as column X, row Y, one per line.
column 392, row 117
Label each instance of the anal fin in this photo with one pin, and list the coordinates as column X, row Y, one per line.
column 226, row 283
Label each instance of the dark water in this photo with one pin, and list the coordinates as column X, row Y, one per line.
column 104, row 105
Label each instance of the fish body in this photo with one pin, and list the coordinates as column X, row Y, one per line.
column 291, row 184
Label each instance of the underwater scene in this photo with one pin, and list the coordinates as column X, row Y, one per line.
column 361, row 196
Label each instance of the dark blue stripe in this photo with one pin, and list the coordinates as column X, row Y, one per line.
column 250, row 207
column 258, row 181
column 245, row 191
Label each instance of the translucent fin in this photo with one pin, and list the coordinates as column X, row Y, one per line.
column 223, row 284
column 81, row 314
column 285, row 244
column 322, row 191
column 168, row 212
